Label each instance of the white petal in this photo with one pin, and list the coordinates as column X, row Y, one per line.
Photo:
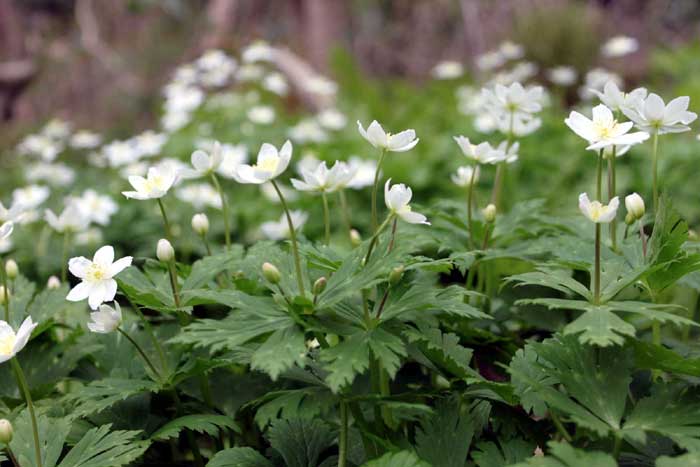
column 413, row 217
column 23, row 334
column 110, row 290
column 376, row 135
column 104, row 256
column 97, row 295
column 79, row 292
column 200, row 161
column 119, row 265
column 78, row 266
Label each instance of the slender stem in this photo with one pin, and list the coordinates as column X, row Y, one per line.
column 172, row 273
column 643, row 236
column 326, row 219
column 224, row 208
column 655, row 168
column 166, row 224
column 22, row 380
column 470, row 206
column 501, row 169
column 6, row 292
column 382, row 303
column 487, row 233
column 596, row 272
column 344, row 210
column 393, row 235
column 612, row 188
column 206, row 244
column 343, row 441
column 11, row 455
column 149, row 330
column 375, row 188
column 141, row 352
column 616, row 447
column 560, row 427
column 64, row 262
column 293, row 235
column 373, row 241
column 599, row 177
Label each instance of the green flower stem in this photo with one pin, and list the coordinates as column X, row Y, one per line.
column 617, row 445
column 643, row 237
column 560, row 427
column 392, row 242
column 149, row 330
column 64, row 261
column 166, row 224
column 206, row 244
column 22, row 381
column 6, row 291
column 373, row 241
column 141, row 352
column 293, row 235
column 470, row 206
column 375, row 188
column 501, row 169
column 599, row 177
column 343, row 441
column 11, row 455
column 172, row 273
column 612, row 188
column 326, row 219
column 596, row 267
column 655, row 168
column 225, row 209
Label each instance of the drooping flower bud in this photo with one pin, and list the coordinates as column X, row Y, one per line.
column 200, row 224
column 11, row 269
column 6, row 431
column 165, row 251
column 635, row 205
column 271, row 273
column 395, row 275
column 489, row 213
column 320, row 285
column 53, row 283
column 355, row 238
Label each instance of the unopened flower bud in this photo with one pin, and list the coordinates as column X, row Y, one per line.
column 693, row 235
column 2, row 294
column 165, row 251
column 6, row 431
column 635, row 205
column 11, row 269
column 200, row 224
column 395, row 275
column 355, row 238
column 489, row 213
column 320, row 285
column 271, row 273
column 53, row 283
column 629, row 219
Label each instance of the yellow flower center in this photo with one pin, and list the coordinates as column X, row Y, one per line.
column 268, row 165
column 7, row 343
column 96, row 273
column 154, row 183
column 596, row 210
column 605, row 131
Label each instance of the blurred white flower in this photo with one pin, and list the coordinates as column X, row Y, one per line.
column 332, row 119
column 90, row 236
column 155, row 185
column 279, row 230
column 96, row 207
column 377, row 137
column 14, row 213
column 6, row 230
column 85, row 139
column 603, row 130
column 30, row 196
column 276, row 83
column 120, row 153
column 511, row 51
column 520, row 125
column 322, row 179
column 270, row 164
column 215, row 68
column 261, row 114
column 397, row 198
column 232, row 156
column 57, row 129
column 56, row 174
column 204, row 163
column 321, row 86
column 465, row 175
column 616, row 100
column 149, row 143
column 268, row 191
column 597, row 212
column 257, row 51
column 173, row 121
column 562, row 75
column 654, row 116
column 199, row 195
column 12, row 343
column 40, row 145
column 364, row 170
column 106, row 319
column 510, row 151
column 595, row 80
column 250, row 73
column 307, row 130
column 448, row 69
column 482, row 153
column 98, row 284
column 490, row 61
column 514, row 99
column 619, row 46
column 72, row 219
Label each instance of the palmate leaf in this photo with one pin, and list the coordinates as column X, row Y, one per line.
column 101, row 447
column 397, row 459
column 206, row 269
column 650, row 356
column 557, row 279
column 139, row 288
column 564, row 455
column 524, row 368
column 283, row 349
column 101, row 394
column 443, row 439
column 443, row 349
column 690, row 459
column 299, row 441
column 209, row 424
column 417, row 299
column 307, row 402
column 490, row 454
column 352, row 356
column 239, row 457
column 52, row 435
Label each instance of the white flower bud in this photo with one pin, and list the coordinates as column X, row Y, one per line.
column 6, row 431
column 11, row 269
column 164, row 251
column 489, row 213
column 271, row 273
column 635, row 205
column 53, row 283
column 200, row 224
column 355, row 238
column 320, row 285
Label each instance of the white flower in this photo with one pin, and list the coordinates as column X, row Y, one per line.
column 91, row 236
column 464, row 174
column 232, row 156
column 619, row 46
column 10, row 343
column 514, row 99
column 323, row 179
column 72, row 219
column 596, row 79
column 380, row 139
column 332, row 119
column 510, row 151
column 204, row 163
column 55, row 174
column 617, row 100
column 511, row 51
column 199, row 195
column 562, row 75
column 200, row 223
column 97, row 284
column 278, row 230
column 490, row 61
column 603, row 130
column 96, row 207
column 258, row 51
column 215, row 68
column 84, row 139
column 270, row 164
column 250, row 73
column 120, row 153
column 397, row 198
column 653, row 116
column 164, row 250
column 53, row 283
column 482, row 153
column 447, row 69
column 155, row 185
column 106, row 319
column 149, row 143
column 635, row 205
column 364, row 170
column 261, row 114
column 30, row 197
column 597, row 212
column 307, row 130
column 13, row 213
column 276, row 83
column 43, row 146
column 6, row 230
column 270, row 194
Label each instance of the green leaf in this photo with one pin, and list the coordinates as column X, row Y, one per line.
column 201, row 423
column 52, row 436
column 101, row 447
column 600, row 327
column 443, row 349
column 443, row 439
column 553, row 278
column 690, row 459
column 308, row 402
column 564, row 455
column 524, row 369
column 239, row 457
column 139, row 288
column 283, row 349
column 206, row 269
column 418, row 299
column 490, row 454
column 101, row 394
column 650, row 356
column 397, row 459
column 300, row 442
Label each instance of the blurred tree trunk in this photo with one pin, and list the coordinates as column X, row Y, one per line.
column 323, row 25
column 221, row 18
column 16, row 68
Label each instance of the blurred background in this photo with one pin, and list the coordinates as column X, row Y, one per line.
column 99, row 63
